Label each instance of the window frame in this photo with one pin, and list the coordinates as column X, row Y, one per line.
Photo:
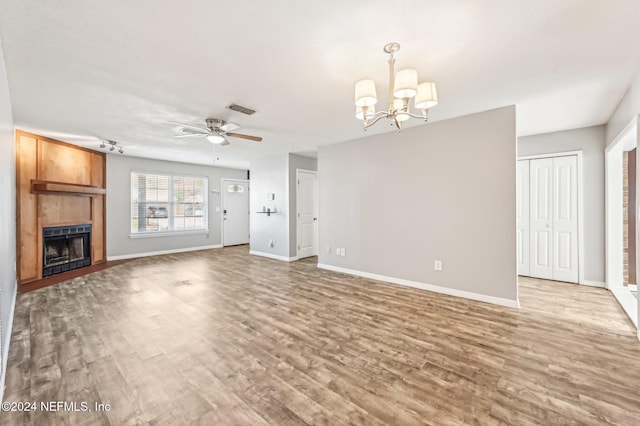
column 170, row 205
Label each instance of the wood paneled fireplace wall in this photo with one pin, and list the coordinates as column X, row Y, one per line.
column 60, row 188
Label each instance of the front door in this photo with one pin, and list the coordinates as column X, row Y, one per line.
column 307, row 220
column 235, row 212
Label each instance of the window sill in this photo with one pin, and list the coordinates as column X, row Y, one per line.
column 169, row 233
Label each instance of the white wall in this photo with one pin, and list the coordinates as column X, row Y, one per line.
column 591, row 141
column 270, row 176
column 304, row 163
column 7, row 219
column 119, row 168
column 626, row 111
column 446, row 190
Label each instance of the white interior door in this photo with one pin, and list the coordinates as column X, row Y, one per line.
column 522, row 216
column 541, row 218
column 307, row 217
column 565, row 219
column 235, row 212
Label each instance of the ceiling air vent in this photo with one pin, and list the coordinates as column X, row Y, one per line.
column 242, row 109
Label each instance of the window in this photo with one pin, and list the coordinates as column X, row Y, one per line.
column 167, row 203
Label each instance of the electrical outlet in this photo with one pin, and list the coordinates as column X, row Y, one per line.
column 437, row 265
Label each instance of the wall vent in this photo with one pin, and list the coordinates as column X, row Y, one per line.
column 242, row 109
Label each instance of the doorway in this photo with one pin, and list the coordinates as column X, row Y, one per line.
column 307, row 213
column 549, row 216
column 235, row 212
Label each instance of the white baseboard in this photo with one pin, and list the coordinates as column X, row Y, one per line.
column 157, row 253
column 273, row 256
column 593, row 283
column 628, row 302
column 423, row 286
column 6, row 341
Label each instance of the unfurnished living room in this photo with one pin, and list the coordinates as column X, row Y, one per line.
column 287, row 212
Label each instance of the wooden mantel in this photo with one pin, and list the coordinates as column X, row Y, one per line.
column 45, row 187
column 58, row 184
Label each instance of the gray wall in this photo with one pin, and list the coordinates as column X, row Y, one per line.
column 591, row 141
column 270, row 176
column 446, row 190
column 296, row 162
column 626, row 111
column 7, row 218
column 119, row 205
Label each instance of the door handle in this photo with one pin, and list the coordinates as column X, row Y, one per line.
column 315, row 218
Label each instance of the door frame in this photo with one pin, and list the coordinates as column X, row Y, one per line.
column 579, row 169
column 222, row 181
column 315, row 195
column 627, row 138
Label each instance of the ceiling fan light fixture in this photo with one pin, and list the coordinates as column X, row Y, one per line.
column 216, row 139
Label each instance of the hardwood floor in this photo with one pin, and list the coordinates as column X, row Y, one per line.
column 221, row 337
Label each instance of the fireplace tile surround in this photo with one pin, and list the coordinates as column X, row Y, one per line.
column 65, row 248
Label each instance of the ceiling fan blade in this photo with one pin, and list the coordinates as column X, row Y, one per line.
column 191, row 135
column 229, row 127
column 189, row 126
column 241, row 136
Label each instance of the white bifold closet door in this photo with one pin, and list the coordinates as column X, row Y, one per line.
column 553, row 218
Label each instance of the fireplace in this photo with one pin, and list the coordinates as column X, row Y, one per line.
column 65, row 248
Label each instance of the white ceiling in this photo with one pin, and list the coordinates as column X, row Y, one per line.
column 122, row 69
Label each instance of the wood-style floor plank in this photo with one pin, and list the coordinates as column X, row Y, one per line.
column 222, row 337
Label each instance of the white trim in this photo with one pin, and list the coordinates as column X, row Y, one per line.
column 550, row 155
column 613, row 205
column 169, row 233
column 628, row 302
column 580, row 174
column 424, row 286
column 161, row 252
column 594, row 283
column 6, row 341
column 297, row 217
column 247, row 181
column 273, row 256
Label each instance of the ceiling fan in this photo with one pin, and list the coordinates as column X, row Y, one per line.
column 215, row 132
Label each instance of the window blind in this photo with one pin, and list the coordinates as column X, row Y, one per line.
column 168, row 203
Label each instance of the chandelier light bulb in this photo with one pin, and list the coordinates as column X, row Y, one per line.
column 427, row 96
column 406, row 84
column 371, row 111
column 399, row 108
column 365, row 94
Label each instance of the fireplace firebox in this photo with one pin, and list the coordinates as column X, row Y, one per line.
column 65, row 248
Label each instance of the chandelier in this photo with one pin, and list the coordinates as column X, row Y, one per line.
column 403, row 86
